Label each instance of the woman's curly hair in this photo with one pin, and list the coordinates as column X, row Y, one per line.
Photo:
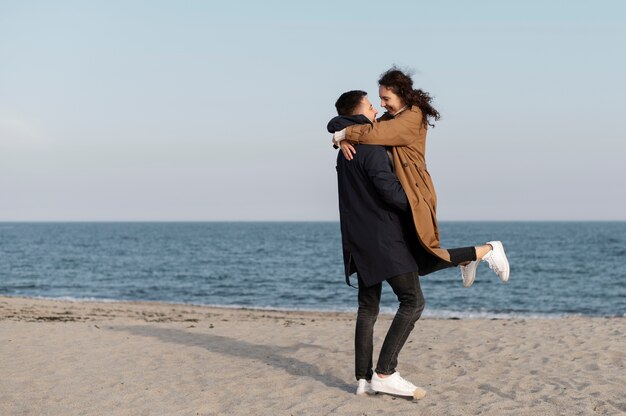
column 402, row 85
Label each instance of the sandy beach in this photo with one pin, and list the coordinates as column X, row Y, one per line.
column 142, row 358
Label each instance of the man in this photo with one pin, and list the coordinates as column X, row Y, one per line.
column 374, row 215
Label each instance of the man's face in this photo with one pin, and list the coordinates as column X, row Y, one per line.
column 390, row 100
column 367, row 109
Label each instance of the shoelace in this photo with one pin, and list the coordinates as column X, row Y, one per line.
column 464, row 272
column 492, row 264
column 464, row 269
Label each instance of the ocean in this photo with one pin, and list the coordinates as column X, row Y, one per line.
column 557, row 268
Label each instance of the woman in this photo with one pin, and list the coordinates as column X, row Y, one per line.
column 404, row 126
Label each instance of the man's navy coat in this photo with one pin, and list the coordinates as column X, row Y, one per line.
column 374, row 214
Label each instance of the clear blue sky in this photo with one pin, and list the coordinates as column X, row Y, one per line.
column 215, row 110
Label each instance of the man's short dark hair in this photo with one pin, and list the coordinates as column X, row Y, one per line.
column 348, row 102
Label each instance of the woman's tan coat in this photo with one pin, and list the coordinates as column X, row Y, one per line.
column 406, row 132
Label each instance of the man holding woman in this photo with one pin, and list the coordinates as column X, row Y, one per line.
column 402, row 129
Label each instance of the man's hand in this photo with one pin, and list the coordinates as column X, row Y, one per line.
column 347, row 149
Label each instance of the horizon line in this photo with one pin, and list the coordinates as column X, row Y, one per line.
column 281, row 221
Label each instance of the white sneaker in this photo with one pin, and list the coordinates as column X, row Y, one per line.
column 364, row 388
column 468, row 272
column 396, row 385
column 497, row 260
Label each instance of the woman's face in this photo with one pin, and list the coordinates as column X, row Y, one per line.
column 390, row 100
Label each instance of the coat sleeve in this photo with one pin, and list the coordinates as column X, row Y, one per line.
column 400, row 131
column 376, row 166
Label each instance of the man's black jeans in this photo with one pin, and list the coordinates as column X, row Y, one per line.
column 407, row 289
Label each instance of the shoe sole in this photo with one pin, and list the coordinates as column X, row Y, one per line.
column 497, row 245
column 417, row 394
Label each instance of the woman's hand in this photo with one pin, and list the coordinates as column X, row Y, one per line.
column 347, row 149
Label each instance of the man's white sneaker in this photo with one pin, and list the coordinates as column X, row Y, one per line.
column 497, row 260
column 396, row 385
column 364, row 388
column 468, row 272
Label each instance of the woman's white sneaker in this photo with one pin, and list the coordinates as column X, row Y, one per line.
column 396, row 385
column 497, row 260
column 364, row 388
column 468, row 272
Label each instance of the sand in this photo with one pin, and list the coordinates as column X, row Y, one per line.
column 99, row 358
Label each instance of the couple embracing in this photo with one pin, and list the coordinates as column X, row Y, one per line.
column 387, row 209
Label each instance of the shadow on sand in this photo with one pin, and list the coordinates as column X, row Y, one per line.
column 273, row 355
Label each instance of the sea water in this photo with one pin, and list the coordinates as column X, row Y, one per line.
column 557, row 268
